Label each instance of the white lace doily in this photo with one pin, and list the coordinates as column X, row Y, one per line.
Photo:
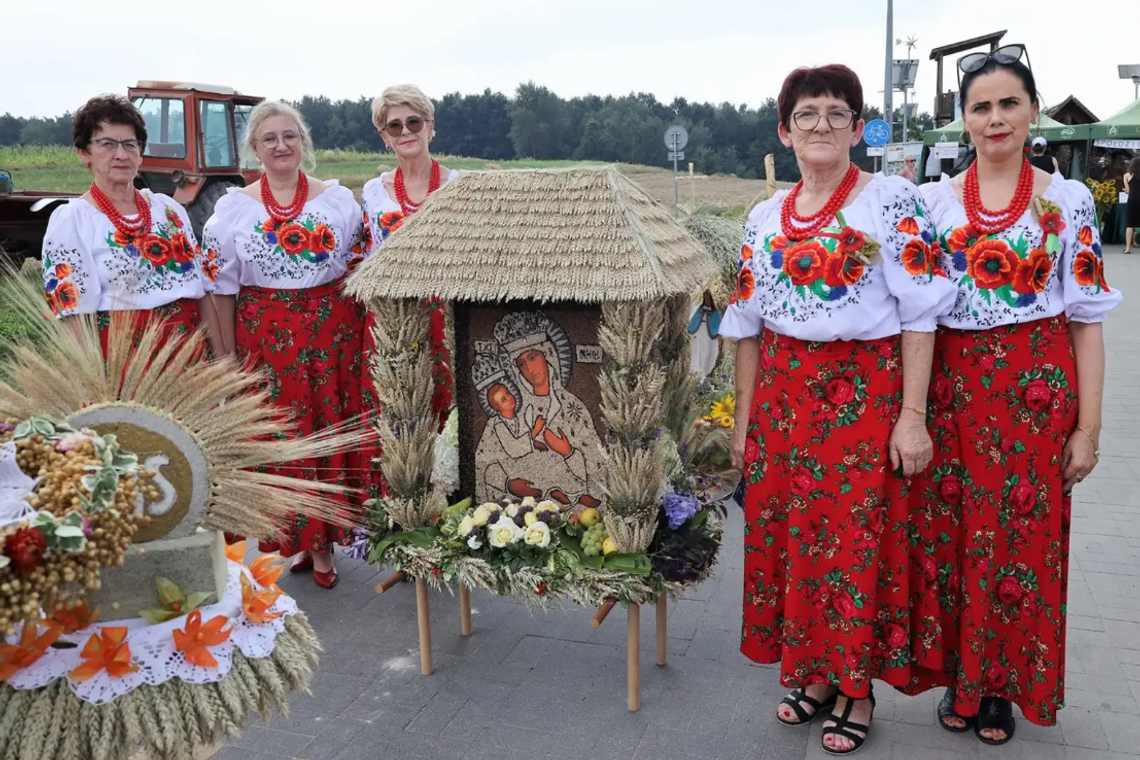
column 15, row 487
column 153, row 650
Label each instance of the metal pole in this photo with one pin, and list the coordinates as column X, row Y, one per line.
column 676, row 192
column 905, row 103
column 888, row 111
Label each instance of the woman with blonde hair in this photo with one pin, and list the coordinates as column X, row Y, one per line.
column 279, row 249
column 405, row 118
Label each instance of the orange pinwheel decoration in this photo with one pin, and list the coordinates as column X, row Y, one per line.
column 256, row 604
column 195, row 640
column 32, row 646
column 266, row 569
column 235, row 552
column 75, row 618
column 108, row 651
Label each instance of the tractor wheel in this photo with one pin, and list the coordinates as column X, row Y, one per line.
column 203, row 206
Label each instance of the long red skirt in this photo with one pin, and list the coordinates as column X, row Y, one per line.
column 826, row 587
column 311, row 344
column 179, row 318
column 991, row 558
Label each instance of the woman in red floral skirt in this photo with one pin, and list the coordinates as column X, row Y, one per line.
column 1016, row 405
column 838, row 295
column 116, row 248
column 281, row 248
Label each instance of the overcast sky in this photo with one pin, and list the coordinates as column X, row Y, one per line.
column 56, row 55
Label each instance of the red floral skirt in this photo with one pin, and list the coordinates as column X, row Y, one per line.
column 310, row 342
column 991, row 558
column 826, row 587
column 180, row 318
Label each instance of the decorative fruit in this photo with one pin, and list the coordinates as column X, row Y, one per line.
column 589, row 517
column 593, row 539
column 608, row 546
column 25, row 548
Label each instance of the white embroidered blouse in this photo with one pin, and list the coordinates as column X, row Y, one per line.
column 382, row 214
column 1048, row 263
column 89, row 266
column 868, row 275
column 243, row 247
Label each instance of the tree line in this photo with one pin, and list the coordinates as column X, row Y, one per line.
column 538, row 124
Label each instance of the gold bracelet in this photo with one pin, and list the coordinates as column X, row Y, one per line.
column 1096, row 446
column 917, row 409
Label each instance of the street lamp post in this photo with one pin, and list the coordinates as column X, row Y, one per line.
column 1131, row 72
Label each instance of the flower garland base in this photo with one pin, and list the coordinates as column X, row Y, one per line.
column 170, row 721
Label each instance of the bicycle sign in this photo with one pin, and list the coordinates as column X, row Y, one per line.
column 876, row 133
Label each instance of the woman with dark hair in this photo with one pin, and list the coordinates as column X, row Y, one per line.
column 116, row 248
column 838, row 294
column 1132, row 210
column 1016, row 409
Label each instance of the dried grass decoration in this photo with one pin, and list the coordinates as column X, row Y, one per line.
column 67, row 509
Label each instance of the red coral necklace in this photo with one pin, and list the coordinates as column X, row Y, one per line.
column 127, row 228
column 989, row 222
column 810, row 225
column 407, row 204
column 283, row 214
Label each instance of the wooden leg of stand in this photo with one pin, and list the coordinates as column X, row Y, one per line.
column 423, row 614
column 662, row 631
column 389, row 582
column 603, row 611
column 465, row 610
column 633, row 657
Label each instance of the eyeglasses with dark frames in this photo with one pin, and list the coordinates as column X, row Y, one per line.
column 809, row 120
column 1006, row 55
column 395, row 128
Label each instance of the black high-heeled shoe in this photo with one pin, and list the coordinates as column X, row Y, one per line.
column 946, row 710
column 845, row 727
column 995, row 713
column 797, row 699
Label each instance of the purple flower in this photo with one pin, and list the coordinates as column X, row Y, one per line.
column 6, row 428
column 679, row 508
column 358, row 549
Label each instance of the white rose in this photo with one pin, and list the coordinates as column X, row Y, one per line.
column 529, row 502
column 538, row 535
column 466, row 525
column 503, row 532
column 549, row 506
column 531, row 518
column 481, row 516
column 513, row 510
column 474, row 542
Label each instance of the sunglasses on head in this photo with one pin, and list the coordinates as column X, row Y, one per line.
column 1005, row 55
column 395, row 128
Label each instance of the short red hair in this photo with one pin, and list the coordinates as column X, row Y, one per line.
column 835, row 80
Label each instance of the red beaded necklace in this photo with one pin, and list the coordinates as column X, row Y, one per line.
column 811, row 225
column 127, row 228
column 409, row 207
column 989, row 222
column 283, row 214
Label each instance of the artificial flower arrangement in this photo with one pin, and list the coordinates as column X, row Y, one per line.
column 1105, row 196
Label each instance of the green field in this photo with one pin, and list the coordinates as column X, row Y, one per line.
column 57, row 168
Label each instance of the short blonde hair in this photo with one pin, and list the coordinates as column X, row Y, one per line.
column 401, row 95
column 267, row 109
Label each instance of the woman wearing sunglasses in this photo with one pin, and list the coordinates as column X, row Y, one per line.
column 405, row 118
column 834, row 317
column 116, row 248
column 278, row 251
column 1016, row 408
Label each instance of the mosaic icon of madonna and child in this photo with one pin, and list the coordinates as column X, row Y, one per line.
column 539, row 439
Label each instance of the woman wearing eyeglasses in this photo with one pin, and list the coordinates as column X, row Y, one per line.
column 278, row 251
column 835, row 311
column 405, row 118
column 118, row 249
column 1016, row 409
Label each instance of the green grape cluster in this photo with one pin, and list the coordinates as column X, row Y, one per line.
column 593, row 539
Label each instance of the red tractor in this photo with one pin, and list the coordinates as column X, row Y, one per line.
column 192, row 154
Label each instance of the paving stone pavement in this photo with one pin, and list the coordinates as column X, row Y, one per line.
column 548, row 686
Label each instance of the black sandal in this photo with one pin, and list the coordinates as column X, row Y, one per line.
column 846, row 728
column 946, row 710
column 797, row 699
column 995, row 713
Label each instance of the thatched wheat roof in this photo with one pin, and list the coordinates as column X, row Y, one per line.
column 721, row 238
column 583, row 234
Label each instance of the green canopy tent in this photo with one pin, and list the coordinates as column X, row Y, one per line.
column 1122, row 128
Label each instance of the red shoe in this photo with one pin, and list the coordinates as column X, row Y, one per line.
column 303, row 566
column 326, row 580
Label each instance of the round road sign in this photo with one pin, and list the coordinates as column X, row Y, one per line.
column 676, row 138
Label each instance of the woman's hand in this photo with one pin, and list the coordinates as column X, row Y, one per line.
column 910, row 446
column 736, row 449
column 558, row 442
column 1079, row 459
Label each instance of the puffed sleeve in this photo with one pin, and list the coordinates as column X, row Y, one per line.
column 1088, row 298
column 353, row 220
column 177, row 216
column 742, row 317
column 221, row 264
column 369, row 237
column 912, row 258
column 71, row 279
